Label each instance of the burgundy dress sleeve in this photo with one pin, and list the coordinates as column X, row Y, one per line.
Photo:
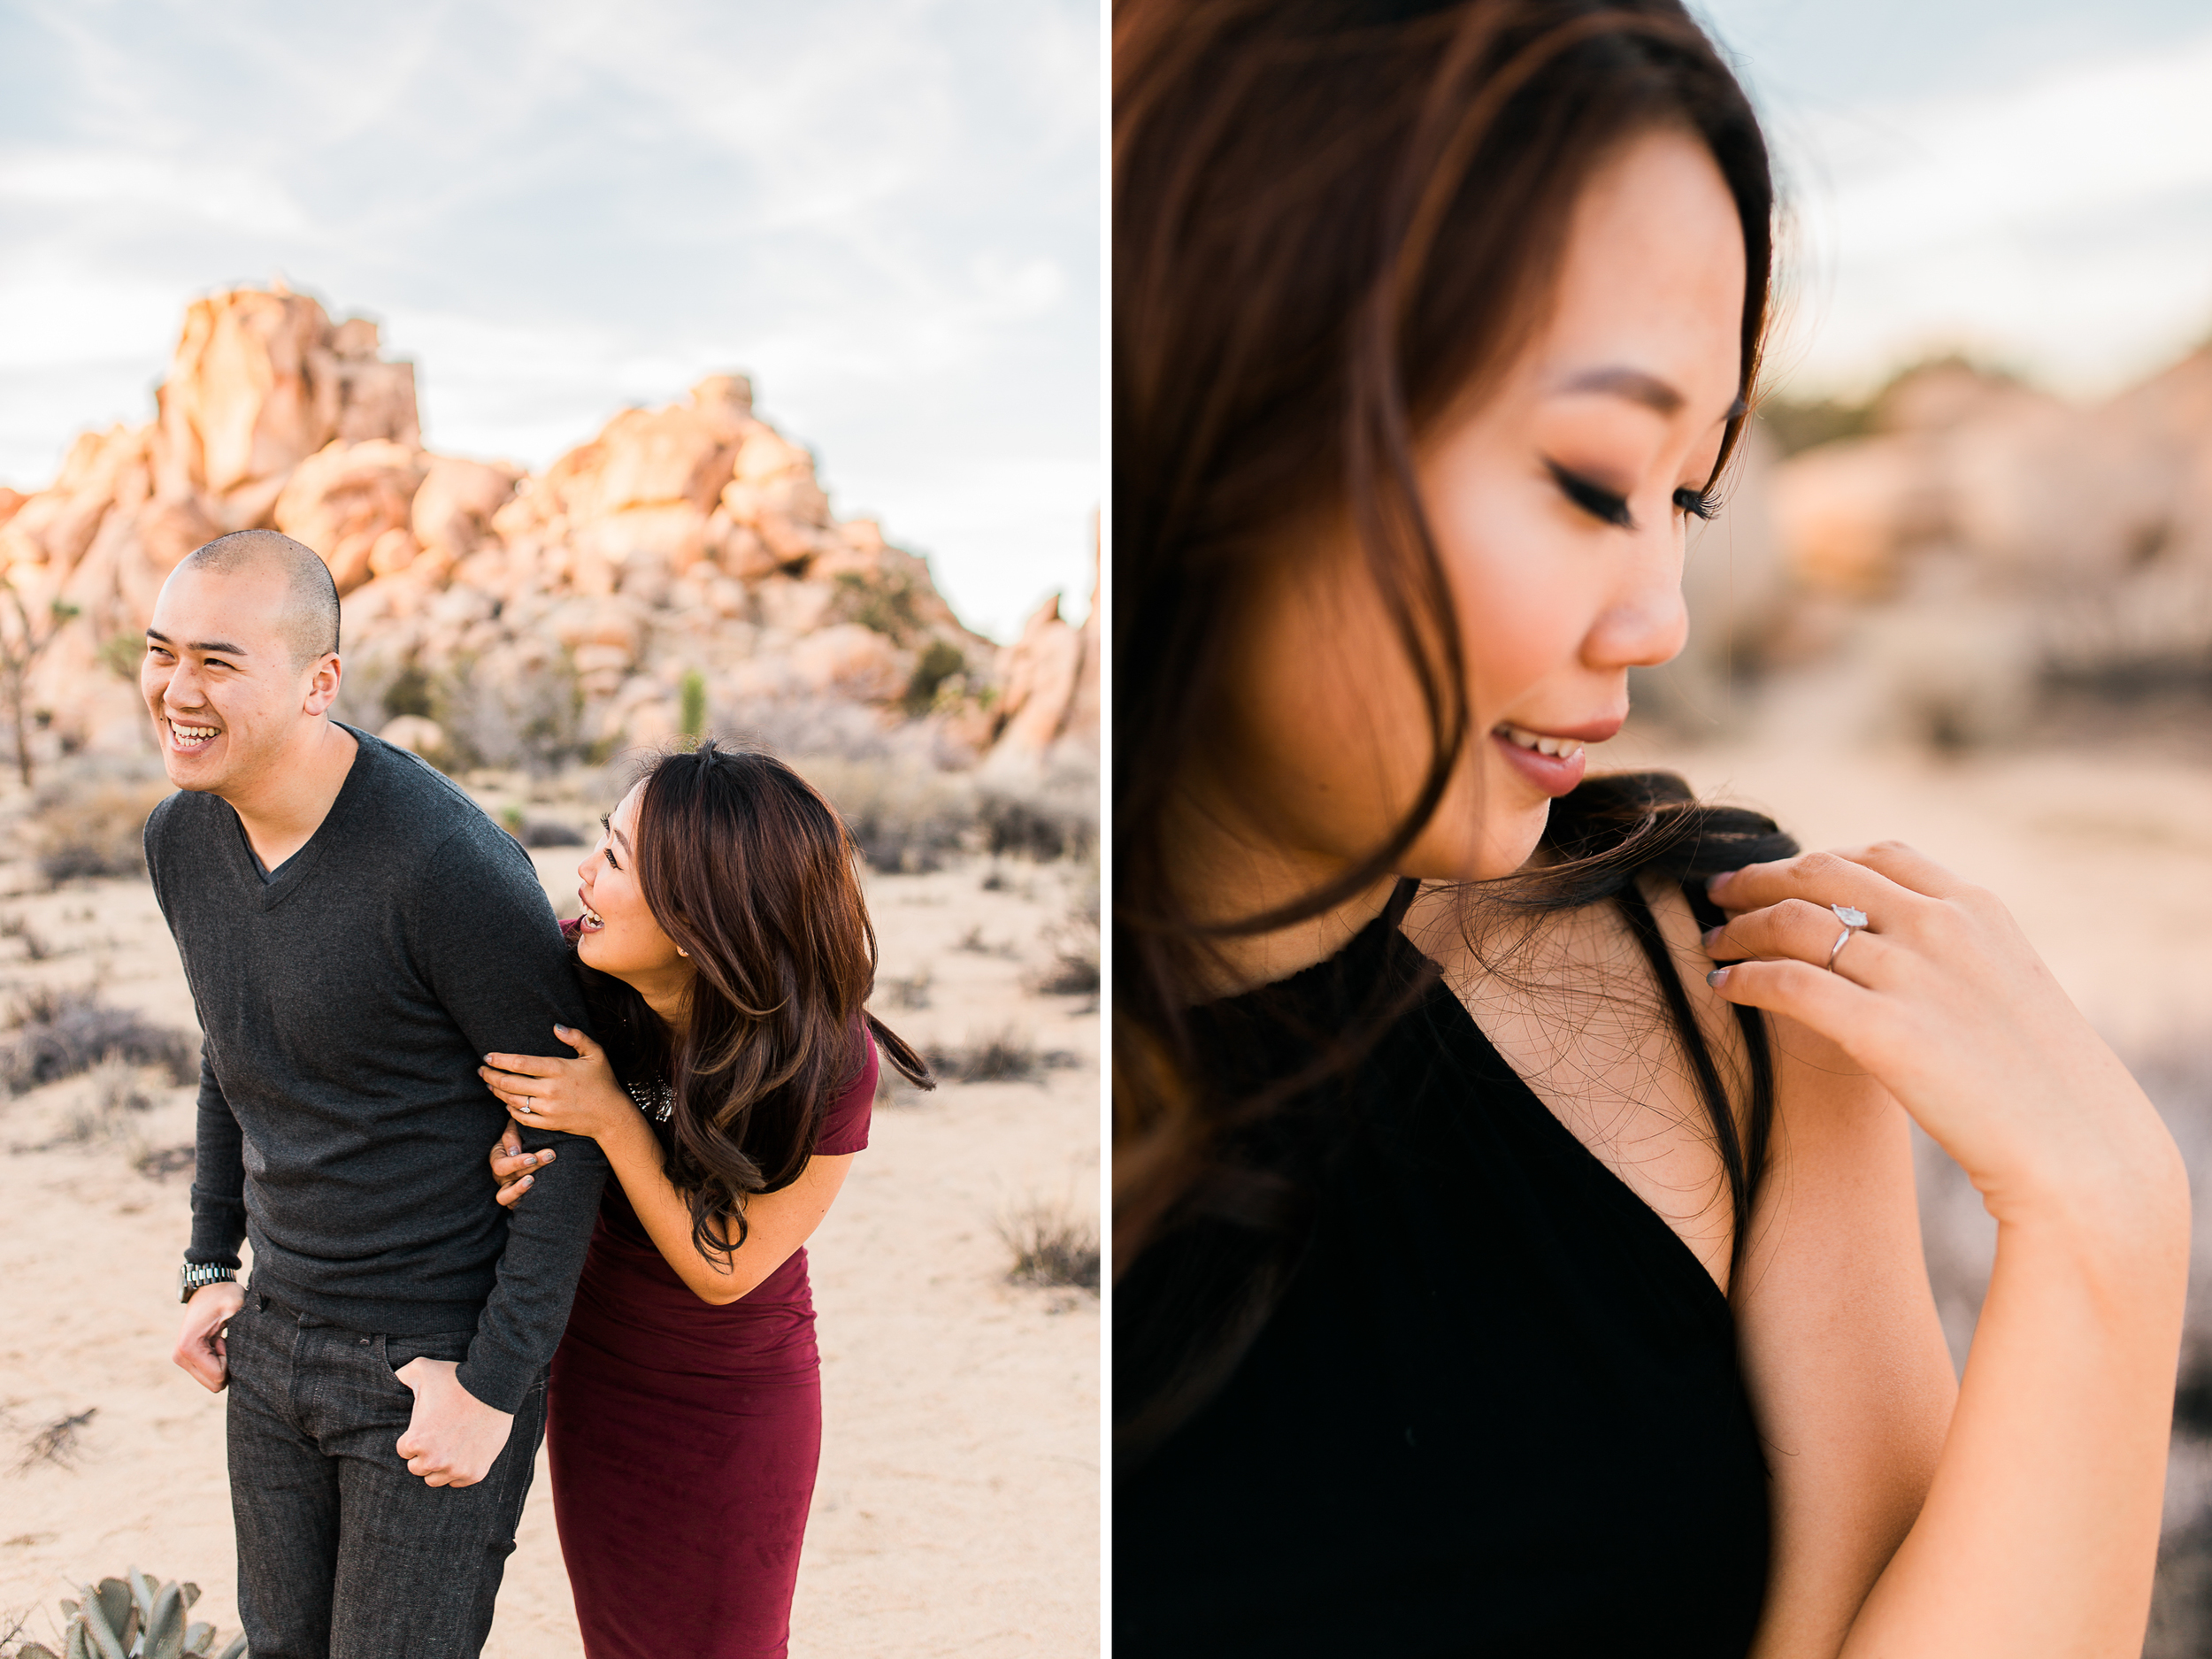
column 845, row 1126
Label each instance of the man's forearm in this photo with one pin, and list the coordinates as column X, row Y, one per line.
column 527, row 1310
column 218, row 1178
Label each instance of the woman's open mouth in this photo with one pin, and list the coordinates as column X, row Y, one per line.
column 589, row 921
column 1551, row 760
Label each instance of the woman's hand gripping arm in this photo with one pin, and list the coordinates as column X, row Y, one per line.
column 581, row 1098
column 2039, row 1531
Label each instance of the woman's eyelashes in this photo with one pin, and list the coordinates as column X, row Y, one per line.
column 1595, row 499
column 1699, row 503
column 1607, row 507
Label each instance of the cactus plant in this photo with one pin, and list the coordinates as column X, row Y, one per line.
column 133, row 1617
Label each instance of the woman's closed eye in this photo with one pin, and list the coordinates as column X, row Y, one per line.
column 1607, row 507
column 1593, row 498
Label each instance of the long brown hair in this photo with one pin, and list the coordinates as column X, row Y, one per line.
column 748, row 870
column 1331, row 218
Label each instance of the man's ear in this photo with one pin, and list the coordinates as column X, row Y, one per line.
column 322, row 685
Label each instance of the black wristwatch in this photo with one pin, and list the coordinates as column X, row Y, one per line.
column 196, row 1275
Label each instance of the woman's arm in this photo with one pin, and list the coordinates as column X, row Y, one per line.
column 776, row 1224
column 2040, row 1529
column 1843, row 1356
column 581, row 1098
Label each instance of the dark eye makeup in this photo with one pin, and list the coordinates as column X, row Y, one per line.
column 1595, row 499
column 1608, row 508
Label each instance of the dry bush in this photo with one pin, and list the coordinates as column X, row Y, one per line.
column 907, row 816
column 93, row 825
column 59, row 1033
column 18, row 926
column 1052, row 1246
column 1050, row 816
column 1073, row 942
column 56, row 1443
column 910, row 991
column 1002, row 1056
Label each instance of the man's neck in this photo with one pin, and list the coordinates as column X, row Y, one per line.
column 282, row 813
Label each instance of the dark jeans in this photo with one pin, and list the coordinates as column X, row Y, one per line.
column 342, row 1553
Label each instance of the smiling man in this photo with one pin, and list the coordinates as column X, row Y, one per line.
column 357, row 935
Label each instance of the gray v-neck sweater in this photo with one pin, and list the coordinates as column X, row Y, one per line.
column 346, row 1001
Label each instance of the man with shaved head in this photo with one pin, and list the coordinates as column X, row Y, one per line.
column 357, row 935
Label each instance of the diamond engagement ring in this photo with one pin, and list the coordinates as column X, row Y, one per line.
column 1853, row 922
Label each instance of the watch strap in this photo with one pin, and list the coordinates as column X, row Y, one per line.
column 194, row 1276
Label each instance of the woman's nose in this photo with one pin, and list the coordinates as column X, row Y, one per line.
column 1647, row 623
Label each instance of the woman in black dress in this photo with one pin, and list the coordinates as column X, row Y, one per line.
column 1515, row 1229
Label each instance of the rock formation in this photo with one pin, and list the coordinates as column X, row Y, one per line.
column 686, row 554
column 1991, row 535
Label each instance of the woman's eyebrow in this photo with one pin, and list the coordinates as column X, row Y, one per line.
column 1633, row 384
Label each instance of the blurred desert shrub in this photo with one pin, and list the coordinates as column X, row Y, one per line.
column 1007, row 1056
column 1073, row 942
column 491, row 715
column 56, row 1032
column 1052, row 1245
column 93, row 822
column 907, row 815
column 1050, row 814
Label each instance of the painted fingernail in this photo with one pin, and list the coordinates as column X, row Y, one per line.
column 525, row 1180
column 1717, row 978
column 1713, row 884
column 1709, row 937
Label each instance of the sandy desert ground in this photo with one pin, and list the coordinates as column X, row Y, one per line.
column 957, row 1506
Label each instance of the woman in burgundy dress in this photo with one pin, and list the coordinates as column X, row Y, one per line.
column 727, row 952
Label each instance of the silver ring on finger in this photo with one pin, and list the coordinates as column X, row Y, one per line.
column 527, row 1111
column 1853, row 922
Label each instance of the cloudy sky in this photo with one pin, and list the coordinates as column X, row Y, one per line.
column 2029, row 181
column 887, row 210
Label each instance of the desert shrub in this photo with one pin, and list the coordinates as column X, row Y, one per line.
column 93, row 825
column 1049, row 815
column 910, row 991
column 530, row 721
column 1001, row 1056
column 1052, row 1245
column 907, row 816
column 61, row 1033
column 538, row 833
column 1073, row 942
column 935, row 665
column 18, row 927
column 137, row 1616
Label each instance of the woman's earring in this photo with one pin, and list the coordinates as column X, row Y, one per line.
column 681, row 951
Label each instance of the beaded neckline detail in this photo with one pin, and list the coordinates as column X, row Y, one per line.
column 656, row 1100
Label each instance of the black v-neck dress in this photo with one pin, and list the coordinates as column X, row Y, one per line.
column 1494, row 1410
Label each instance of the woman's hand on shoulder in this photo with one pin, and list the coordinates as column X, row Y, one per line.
column 513, row 1168
column 1942, row 998
column 577, row 1096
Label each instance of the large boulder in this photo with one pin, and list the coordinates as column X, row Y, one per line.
column 453, row 511
column 547, row 615
column 354, row 503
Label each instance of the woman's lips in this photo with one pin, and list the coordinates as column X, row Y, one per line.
column 589, row 921
column 1553, row 762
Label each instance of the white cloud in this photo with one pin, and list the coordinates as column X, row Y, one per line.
column 886, row 209
column 2064, row 226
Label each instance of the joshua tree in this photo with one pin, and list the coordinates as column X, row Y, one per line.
column 19, row 651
